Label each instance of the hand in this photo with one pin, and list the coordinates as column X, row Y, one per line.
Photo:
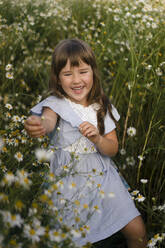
column 90, row 131
column 34, row 126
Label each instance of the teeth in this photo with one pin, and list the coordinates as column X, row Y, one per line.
column 77, row 88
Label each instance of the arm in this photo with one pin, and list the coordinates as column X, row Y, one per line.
column 37, row 126
column 106, row 144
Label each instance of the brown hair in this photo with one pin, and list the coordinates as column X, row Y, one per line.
column 77, row 50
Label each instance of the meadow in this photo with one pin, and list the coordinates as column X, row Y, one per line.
column 128, row 39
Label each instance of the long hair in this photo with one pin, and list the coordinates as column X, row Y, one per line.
column 77, row 50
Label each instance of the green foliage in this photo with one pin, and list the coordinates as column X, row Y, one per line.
column 128, row 39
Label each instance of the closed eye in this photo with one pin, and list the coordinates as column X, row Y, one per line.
column 67, row 74
column 82, row 72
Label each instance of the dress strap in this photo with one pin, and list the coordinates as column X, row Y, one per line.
column 59, row 106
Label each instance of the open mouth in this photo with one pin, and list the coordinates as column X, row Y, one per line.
column 78, row 90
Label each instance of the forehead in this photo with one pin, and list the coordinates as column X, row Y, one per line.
column 80, row 64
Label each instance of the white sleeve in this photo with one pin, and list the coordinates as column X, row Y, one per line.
column 109, row 122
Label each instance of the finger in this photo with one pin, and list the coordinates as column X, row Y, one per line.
column 33, row 120
column 92, row 133
column 88, row 130
column 37, row 134
column 85, row 126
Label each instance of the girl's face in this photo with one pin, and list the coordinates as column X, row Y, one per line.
column 77, row 81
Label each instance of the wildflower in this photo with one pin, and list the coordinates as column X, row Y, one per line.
column 159, row 72
column 135, row 192
column 140, row 198
column 157, row 237
column 8, row 106
column 43, row 155
column 87, row 228
column 96, row 208
column 8, row 115
column 62, row 201
column 4, row 149
column 148, row 85
column 151, row 243
column 85, row 206
column 32, row 233
column 16, row 118
column 9, row 75
column 66, row 168
column 141, row 158
column 77, row 219
column 130, row 161
column 19, row 156
column 60, row 184
column 8, row 67
column 19, row 205
column 102, row 194
column 15, row 220
column 143, row 181
column 23, row 140
column 15, row 142
column 11, row 219
column 75, row 233
column 72, row 185
column 111, row 195
column 51, row 177
column 122, row 151
column 8, row 179
column 131, row 131
column 3, row 197
column 148, row 67
column 22, row 178
column 55, row 236
column 77, row 203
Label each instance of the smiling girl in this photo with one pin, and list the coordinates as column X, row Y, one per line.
column 87, row 122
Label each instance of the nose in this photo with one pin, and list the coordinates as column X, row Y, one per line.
column 76, row 78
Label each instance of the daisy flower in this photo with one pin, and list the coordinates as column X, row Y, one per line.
column 96, row 208
column 102, row 194
column 135, row 192
column 9, row 75
column 111, row 195
column 19, row 156
column 144, row 180
column 8, row 106
column 8, row 179
column 122, row 151
column 8, row 67
column 15, row 220
column 43, row 155
column 130, row 161
column 72, row 185
column 32, row 233
column 140, row 198
column 16, row 118
column 75, row 233
column 22, row 178
column 141, row 158
column 131, row 131
column 54, row 235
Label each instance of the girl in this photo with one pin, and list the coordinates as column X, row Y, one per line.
column 81, row 123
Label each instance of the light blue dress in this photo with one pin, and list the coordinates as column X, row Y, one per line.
column 91, row 197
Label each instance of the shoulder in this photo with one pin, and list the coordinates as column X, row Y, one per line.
column 60, row 106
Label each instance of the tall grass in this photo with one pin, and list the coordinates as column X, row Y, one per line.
column 128, row 39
